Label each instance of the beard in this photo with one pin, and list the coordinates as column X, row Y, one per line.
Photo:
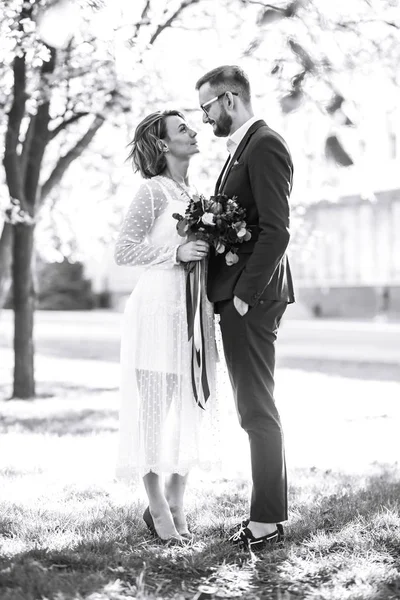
column 223, row 124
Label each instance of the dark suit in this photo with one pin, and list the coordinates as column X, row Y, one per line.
column 260, row 176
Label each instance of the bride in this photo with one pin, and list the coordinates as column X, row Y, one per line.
column 160, row 419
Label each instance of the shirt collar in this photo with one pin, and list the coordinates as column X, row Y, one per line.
column 234, row 140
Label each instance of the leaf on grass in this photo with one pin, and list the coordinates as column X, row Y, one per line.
column 205, row 591
column 119, row 569
column 37, row 565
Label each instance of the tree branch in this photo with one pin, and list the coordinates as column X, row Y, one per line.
column 64, row 124
column 26, row 145
column 391, row 24
column 39, row 137
column 75, row 152
column 347, row 24
column 11, row 159
column 143, row 18
column 65, row 161
column 171, row 19
column 264, row 5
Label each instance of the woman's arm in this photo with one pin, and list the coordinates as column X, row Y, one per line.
column 133, row 246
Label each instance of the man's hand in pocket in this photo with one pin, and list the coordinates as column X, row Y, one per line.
column 241, row 306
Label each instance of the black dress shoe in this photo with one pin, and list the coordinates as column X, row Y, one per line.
column 245, row 539
column 279, row 527
column 148, row 519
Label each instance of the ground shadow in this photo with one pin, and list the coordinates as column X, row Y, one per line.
column 211, row 567
column 51, row 390
column 83, row 349
column 354, row 370
column 143, row 567
column 108, row 350
column 68, row 422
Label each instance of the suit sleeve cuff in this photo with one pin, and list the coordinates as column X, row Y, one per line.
column 176, row 261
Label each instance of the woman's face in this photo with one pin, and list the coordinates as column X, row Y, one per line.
column 180, row 139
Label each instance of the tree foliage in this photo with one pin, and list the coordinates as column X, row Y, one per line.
column 314, row 50
column 59, row 82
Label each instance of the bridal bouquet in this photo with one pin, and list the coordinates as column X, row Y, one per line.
column 218, row 220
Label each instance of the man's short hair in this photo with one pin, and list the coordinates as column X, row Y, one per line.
column 230, row 78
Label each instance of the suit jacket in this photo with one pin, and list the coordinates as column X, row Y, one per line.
column 260, row 176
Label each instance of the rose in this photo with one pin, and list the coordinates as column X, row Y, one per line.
column 241, row 233
column 220, row 248
column 216, row 208
column 208, row 219
column 231, row 258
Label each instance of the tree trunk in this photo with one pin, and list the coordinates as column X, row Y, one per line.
column 24, row 305
column 5, row 262
column 23, row 287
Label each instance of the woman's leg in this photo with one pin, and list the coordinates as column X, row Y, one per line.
column 153, row 387
column 159, row 509
column 175, row 486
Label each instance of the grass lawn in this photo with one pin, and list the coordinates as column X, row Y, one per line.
column 69, row 531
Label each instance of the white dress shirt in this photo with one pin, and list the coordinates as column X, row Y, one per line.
column 232, row 143
column 234, row 140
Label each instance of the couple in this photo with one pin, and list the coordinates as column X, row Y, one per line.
column 160, row 421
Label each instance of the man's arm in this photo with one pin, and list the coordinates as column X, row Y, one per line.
column 270, row 171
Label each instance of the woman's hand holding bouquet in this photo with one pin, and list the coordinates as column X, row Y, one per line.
column 219, row 221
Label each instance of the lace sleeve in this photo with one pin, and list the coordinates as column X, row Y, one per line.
column 133, row 246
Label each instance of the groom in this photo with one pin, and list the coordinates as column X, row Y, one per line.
column 252, row 295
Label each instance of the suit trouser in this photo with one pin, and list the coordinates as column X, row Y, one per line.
column 249, row 350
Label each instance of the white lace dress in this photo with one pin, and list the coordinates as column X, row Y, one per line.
column 160, row 421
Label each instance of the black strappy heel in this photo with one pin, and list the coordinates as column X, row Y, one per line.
column 148, row 519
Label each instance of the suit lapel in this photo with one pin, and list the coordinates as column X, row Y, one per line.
column 239, row 150
column 217, row 185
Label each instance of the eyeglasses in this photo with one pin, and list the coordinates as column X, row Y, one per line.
column 209, row 102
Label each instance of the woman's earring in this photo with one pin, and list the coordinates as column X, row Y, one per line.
column 162, row 146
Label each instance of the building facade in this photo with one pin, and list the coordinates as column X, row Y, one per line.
column 352, row 267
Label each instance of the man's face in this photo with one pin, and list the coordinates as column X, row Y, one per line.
column 215, row 112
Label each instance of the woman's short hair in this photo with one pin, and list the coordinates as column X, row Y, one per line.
column 147, row 151
column 229, row 78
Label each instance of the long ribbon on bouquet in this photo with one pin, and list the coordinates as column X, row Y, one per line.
column 194, row 312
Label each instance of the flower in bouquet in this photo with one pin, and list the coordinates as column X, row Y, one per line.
column 208, row 219
column 218, row 220
column 231, row 258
